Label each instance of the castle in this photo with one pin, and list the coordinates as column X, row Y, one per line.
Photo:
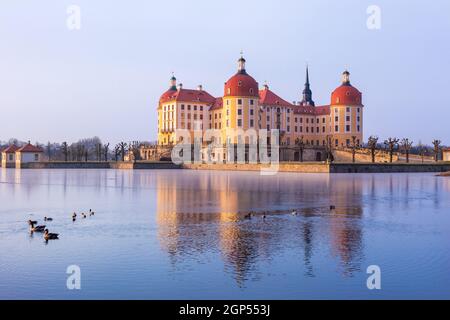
column 245, row 106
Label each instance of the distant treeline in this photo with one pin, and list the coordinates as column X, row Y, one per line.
column 87, row 149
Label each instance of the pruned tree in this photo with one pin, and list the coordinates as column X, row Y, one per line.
column 301, row 147
column 116, row 152
column 391, row 145
column 406, row 146
column 372, row 143
column 329, row 148
column 436, row 149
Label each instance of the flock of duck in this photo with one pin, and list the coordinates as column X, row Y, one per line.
column 34, row 227
column 293, row 212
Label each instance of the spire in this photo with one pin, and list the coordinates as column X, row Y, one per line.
column 173, row 82
column 307, row 76
column 307, row 93
column 346, row 78
column 241, row 64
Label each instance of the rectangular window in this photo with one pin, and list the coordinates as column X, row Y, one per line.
column 336, row 119
column 268, row 127
column 251, row 123
column 307, row 129
column 251, row 102
column 239, row 101
column 182, row 107
column 347, row 118
column 201, row 108
column 301, row 129
column 348, row 109
column 239, row 122
column 239, row 112
column 251, row 111
column 195, row 108
column 358, row 128
column 288, row 128
column 336, row 128
column 323, row 129
column 347, row 128
column 323, row 120
column 189, row 107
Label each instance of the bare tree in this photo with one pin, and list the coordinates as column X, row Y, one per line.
column 391, row 145
column 329, row 148
column 65, row 150
column 422, row 149
column 106, row 150
column 116, row 152
column 436, row 149
column 405, row 146
column 49, row 151
column 372, row 144
column 353, row 146
column 134, row 148
column 122, row 147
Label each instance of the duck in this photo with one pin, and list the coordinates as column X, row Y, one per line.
column 35, row 228
column 294, row 213
column 50, row 236
column 332, row 207
column 264, row 216
column 248, row 216
column 83, row 215
column 48, row 219
column 91, row 213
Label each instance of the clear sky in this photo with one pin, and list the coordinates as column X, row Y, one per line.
column 105, row 79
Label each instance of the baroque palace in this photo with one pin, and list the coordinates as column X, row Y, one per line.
column 245, row 106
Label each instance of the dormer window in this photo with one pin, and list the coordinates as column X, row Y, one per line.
column 240, row 83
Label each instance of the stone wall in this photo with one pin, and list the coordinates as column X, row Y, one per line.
column 362, row 155
column 311, row 167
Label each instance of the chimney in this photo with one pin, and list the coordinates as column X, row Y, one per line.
column 180, row 86
column 200, row 87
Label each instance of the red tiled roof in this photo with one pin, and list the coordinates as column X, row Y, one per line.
column 187, row 95
column 241, row 85
column 11, row 149
column 29, row 148
column 268, row 98
column 218, row 104
column 317, row 111
column 346, row 95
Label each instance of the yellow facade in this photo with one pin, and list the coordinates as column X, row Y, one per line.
column 196, row 109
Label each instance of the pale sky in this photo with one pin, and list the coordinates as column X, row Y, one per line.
column 105, row 79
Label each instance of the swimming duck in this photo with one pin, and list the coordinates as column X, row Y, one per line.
column 83, row 215
column 91, row 213
column 48, row 219
column 294, row 213
column 332, row 207
column 35, row 228
column 50, row 236
column 248, row 216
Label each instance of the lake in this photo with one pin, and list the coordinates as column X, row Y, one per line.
column 181, row 234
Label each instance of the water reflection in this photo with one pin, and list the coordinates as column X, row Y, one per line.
column 210, row 216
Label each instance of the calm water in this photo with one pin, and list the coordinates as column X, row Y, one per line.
column 181, row 235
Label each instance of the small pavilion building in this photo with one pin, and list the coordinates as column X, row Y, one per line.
column 8, row 156
column 28, row 154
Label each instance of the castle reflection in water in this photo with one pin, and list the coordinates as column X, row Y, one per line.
column 207, row 213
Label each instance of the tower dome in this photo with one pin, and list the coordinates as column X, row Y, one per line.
column 346, row 94
column 241, row 84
